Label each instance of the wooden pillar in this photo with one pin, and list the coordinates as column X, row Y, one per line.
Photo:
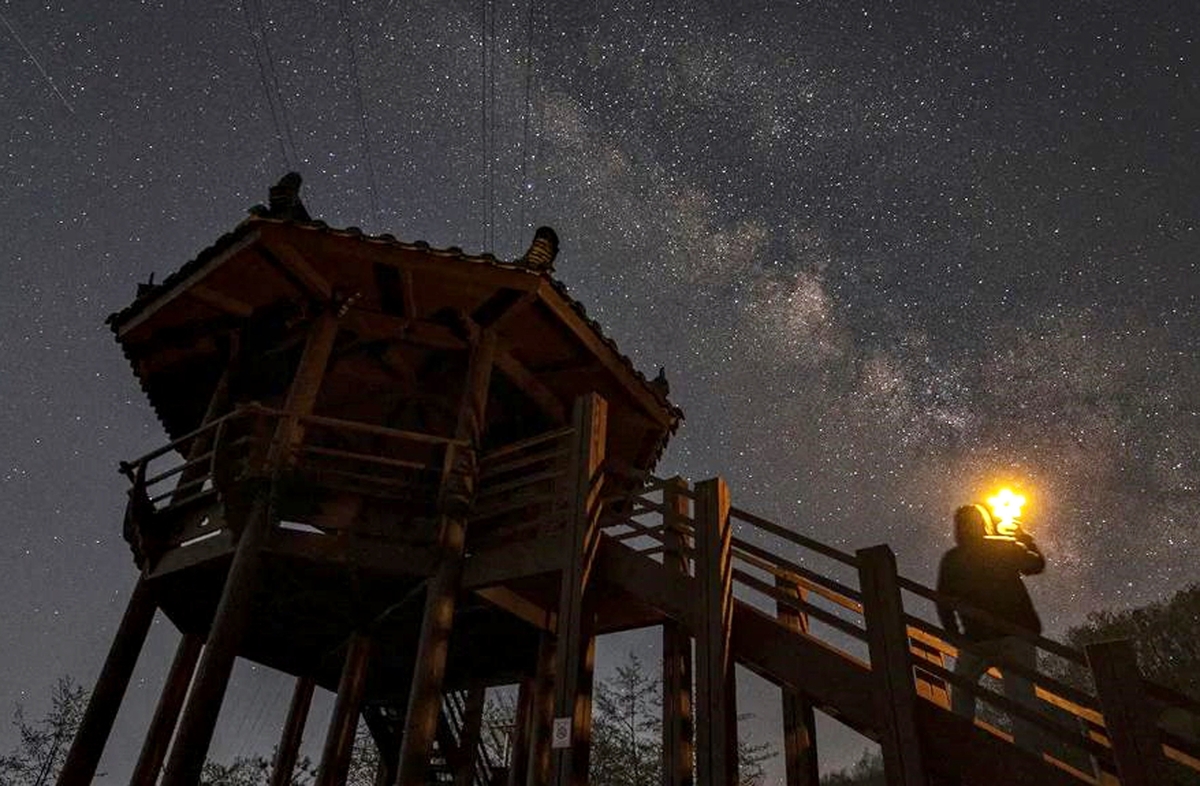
column 88, row 745
column 1128, row 717
column 799, row 730
column 237, row 598
column 162, row 727
column 458, row 483
column 677, row 725
column 518, row 763
column 895, row 696
column 716, row 721
column 339, row 740
column 293, row 732
column 576, row 637
column 468, row 741
column 541, row 719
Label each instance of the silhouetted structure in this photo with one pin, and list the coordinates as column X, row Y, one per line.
column 407, row 474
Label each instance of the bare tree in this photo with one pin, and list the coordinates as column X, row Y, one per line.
column 43, row 744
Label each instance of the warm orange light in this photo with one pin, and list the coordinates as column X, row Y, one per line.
column 1006, row 507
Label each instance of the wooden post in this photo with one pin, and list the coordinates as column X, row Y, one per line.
column 88, row 745
column 677, row 726
column 162, row 727
column 425, row 695
column 542, row 715
column 237, row 598
column 339, row 740
column 895, row 696
column 518, row 763
column 799, row 722
column 716, row 722
column 576, row 639
column 1128, row 717
column 468, row 741
column 293, row 732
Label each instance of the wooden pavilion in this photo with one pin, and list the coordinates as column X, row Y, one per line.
column 407, row 474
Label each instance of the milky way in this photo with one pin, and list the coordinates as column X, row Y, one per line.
column 890, row 256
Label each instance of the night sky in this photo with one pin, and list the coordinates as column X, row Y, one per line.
column 891, row 255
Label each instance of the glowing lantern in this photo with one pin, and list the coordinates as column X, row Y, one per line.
column 1006, row 507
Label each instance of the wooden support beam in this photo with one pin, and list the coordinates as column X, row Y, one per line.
column 678, row 728
column 221, row 301
column 339, row 741
column 162, row 726
column 468, row 741
column 295, row 267
column 515, row 560
column 576, row 628
column 893, row 691
column 518, row 763
column 199, row 718
column 716, row 722
column 525, row 381
column 799, row 721
column 252, row 520
column 1128, row 716
column 455, row 497
column 541, row 719
column 88, row 745
column 288, row 750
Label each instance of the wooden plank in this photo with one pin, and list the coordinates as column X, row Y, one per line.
column 183, row 557
column 891, row 668
column 1128, row 717
column 101, row 712
column 716, row 722
column 576, row 630
column 518, row 762
column 678, row 728
column 538, row 772
column 288, row 750
column 799, row 721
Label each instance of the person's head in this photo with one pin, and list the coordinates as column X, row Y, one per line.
column 971, row 524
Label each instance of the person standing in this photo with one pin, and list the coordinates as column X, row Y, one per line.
column 985, row 573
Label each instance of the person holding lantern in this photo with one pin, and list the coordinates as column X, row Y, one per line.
column 983, row 573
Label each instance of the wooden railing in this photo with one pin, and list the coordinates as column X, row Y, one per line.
column 776, row 568
column 174, row 495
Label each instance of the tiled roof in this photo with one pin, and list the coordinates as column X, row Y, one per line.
column 147, row 294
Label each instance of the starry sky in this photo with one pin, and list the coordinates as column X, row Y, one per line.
column 891, row 255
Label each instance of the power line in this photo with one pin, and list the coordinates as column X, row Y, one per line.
column 492, row 130
column 256, row 29
column 524, row 185
column 372, row 184
column 483, row 118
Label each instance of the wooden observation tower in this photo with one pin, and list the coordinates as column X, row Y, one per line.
column 407, row 475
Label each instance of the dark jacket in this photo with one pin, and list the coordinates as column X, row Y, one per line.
column 986, row 574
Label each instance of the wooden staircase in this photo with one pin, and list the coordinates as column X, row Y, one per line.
column 798, row 620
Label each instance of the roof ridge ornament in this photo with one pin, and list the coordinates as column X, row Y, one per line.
column 284, row 201
column 542, row 251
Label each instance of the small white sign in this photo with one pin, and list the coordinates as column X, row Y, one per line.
column 561, row 735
